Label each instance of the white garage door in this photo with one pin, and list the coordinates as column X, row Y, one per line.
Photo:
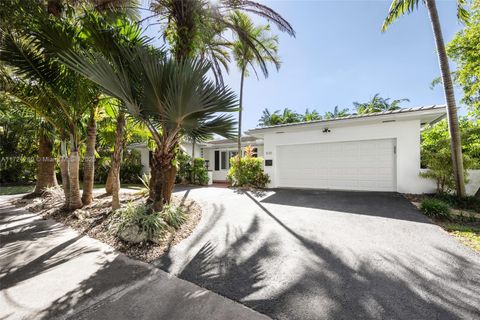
column 353, row 165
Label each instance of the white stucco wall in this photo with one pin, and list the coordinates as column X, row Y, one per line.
column 406, row 133
column 428, row 185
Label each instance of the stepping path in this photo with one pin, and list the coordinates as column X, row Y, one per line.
column 50, row 271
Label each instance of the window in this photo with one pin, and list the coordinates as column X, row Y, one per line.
column 224, row 160
column 217, row 160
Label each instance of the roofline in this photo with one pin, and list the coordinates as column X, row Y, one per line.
column 420, row 110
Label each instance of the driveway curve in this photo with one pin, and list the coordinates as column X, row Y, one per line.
column 298, row 254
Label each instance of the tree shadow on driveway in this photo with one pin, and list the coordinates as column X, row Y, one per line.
column 380, row 204
column 320, row 282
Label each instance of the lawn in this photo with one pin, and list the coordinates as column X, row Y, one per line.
column 467, row 233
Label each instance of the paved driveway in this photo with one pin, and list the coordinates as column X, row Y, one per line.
column 327, row 255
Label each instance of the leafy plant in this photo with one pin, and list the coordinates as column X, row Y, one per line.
column 184, row 166
column 436, row 152
column 136, row 218
column 199, row 172
column 247, row 172
column 435, row 208
column 470, row 203
column 173, row 215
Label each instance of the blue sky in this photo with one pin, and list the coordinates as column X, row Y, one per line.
column 339, row 56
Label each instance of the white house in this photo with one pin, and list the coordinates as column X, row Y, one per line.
column 371, row 152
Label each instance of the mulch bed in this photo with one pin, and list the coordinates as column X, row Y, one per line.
column 94, row 219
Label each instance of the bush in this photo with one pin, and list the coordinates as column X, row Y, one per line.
column 196, row 174
column 247, row 172
column 199, row 172
column 471, row 203
column 135, row 223
column 130, row 168
column 435, row 208
column 174, row 216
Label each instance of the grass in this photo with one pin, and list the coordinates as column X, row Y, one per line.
column 467, row 233
column 11, row 190
column 19, row 189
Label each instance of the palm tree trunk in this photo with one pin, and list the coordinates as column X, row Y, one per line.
column 89, row 161
column 455, row 141
column 240, row 107
column 116, row 161
column 45, row 165
column 73, row 168
column 64, row 164
column 161, row 185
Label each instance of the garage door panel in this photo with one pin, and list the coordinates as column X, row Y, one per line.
column 354, row 165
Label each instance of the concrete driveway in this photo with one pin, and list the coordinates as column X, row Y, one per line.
column 295, row 254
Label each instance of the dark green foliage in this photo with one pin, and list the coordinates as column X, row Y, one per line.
column 470, row 203
column 247, row 172
column 199, row 172
column 196, row 174
column 435, row 208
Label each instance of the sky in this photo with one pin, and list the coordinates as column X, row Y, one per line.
column 340, row 56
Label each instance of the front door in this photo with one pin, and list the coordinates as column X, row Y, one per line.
column 222, row 164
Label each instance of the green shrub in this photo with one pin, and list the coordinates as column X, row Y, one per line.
column 184, row 167
column 175, row 216
column 199, row 172
column 188, row 173
column 135, row 223
column 435, row 208
column 471, row 203
column 247, row 172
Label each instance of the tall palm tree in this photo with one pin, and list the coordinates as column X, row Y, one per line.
column 270, row 118
column 337, row 113
column 172, row 98
column 401, row 7
column 311, row 115
column 378, row 104
column 265, row 44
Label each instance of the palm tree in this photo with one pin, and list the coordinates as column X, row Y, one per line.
column 311, row 115
column 337, row 113
column 172, row 98
column 290, row 116
column 378, row 104
column 270, row 119
column 401, row 7
column 265, row 44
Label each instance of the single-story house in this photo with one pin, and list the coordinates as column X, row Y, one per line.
column 370, row 152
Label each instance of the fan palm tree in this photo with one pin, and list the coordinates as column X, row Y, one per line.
column 401, row 7
column 172, row 98
column 337, row 113
column 266, row 46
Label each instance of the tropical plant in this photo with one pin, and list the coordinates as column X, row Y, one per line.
column 401, row 7
column 311, row 115
column 436, row 152
column 173, row 215
column 136, row 223
column 172, row 98
column 463, row 50
column 263, row 51
column 247, row 172
column 378, row 104
column 435, row 208
column 270, row 118
column 336, row 113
